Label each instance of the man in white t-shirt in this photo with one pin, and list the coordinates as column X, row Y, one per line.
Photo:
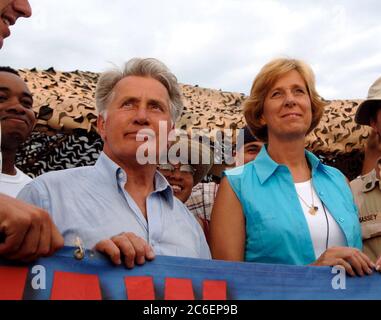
column 17, row 120
column 26, row 232
column 12, row 184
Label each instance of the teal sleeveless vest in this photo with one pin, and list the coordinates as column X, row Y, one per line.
column 276, row 229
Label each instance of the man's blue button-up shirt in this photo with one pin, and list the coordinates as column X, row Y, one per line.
column 91, row 203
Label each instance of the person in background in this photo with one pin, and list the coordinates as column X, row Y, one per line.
column 201, row 201
column 366, row 188
column 286, row 207
column 17, row 120
column 26, row 232
column 372, row 152
column 191, row 168
column 250, row 148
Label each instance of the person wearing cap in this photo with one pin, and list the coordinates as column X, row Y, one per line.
column 26, row 231
column 367, row 187
column 187, row 170
column 201, row 201
column 250, row 148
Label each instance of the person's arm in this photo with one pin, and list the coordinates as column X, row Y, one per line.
column 27, row 231
column 227, row 225
column 352, row 259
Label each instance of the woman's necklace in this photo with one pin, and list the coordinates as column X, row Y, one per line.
column 312, row 209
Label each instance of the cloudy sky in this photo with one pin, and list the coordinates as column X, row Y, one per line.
column 220, row 44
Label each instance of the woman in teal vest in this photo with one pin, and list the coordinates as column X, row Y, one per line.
column 286, row 206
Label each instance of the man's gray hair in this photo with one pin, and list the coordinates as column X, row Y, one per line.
column 148, row 67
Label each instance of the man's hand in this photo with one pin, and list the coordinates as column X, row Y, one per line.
column 27, row 231
column 129, row 246
column 351, row 259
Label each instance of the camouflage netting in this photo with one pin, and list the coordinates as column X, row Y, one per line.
column 65, row 135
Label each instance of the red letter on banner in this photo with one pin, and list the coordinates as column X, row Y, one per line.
column 214, row 290
column 140, row 288
column 178, row 289
column 75, row 286
column 12, row 282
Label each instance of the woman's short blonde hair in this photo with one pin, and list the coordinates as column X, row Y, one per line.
column 264, row 81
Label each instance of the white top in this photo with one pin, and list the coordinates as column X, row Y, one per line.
column 11, row 185
column 317, row 223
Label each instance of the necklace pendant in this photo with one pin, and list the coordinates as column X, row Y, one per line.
column 313, row 210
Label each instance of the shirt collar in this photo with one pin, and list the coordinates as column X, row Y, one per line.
column 265, row 166
column 162, row 186
column 107, row 169
column 114, row 174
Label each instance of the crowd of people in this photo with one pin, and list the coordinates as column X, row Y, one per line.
column 279, row 204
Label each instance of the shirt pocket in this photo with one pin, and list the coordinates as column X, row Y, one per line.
column 371, row 229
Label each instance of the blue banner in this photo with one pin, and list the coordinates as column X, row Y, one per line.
column 166, row 278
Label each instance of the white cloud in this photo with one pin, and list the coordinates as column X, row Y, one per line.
column 220, row 44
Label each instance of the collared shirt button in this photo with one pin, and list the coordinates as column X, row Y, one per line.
column 321, row 193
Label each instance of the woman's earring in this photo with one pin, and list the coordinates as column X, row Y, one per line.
column 262, row 121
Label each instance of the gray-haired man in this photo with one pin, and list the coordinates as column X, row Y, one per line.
column 120, row 206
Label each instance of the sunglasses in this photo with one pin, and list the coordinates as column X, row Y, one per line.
column 167, row 167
